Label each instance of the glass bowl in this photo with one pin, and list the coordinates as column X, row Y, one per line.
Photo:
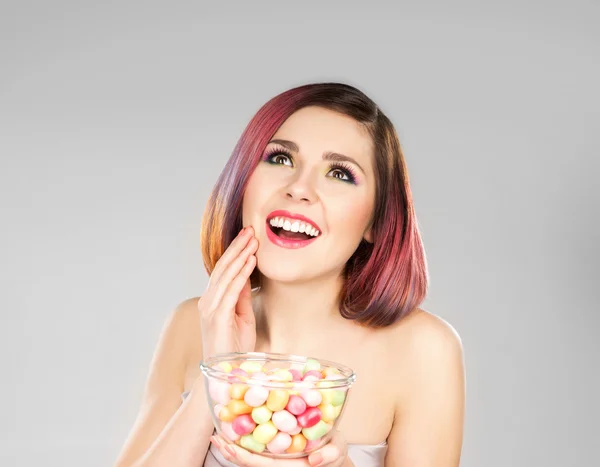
column 277, row 405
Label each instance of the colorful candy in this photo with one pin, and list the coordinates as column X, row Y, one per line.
column 316, row 431
column 284, row 421
column 280, row 443
column 310, row 417
column 296, row 405
column 243, row 425
column 278, row 399
column 281, row 410
column 256, row 396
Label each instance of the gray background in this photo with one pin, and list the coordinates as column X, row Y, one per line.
column 116, row 119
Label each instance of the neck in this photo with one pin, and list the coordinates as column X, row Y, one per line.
column 291, row 316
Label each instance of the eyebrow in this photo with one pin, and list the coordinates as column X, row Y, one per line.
column 327, row 156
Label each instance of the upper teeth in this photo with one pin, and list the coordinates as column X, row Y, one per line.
column 293, row 225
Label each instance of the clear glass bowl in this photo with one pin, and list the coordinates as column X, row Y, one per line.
column 277, row 405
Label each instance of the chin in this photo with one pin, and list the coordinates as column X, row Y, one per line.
column 283, row 271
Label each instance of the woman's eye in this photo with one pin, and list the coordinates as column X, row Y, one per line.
column 278, row 158
column 342, row 176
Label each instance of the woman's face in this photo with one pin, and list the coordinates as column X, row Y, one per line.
column 295, row 175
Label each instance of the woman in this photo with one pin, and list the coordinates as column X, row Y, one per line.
column 329, row 264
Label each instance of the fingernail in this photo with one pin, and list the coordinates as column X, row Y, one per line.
column 315, row 459
column 230, row 450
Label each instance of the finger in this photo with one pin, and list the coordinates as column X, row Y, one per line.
column 242, row 457
column 232, row 251
column 330, row 453
column 234, row 289
column 244, row 305
column 220, row 285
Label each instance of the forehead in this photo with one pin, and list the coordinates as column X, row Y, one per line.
column 316, row 130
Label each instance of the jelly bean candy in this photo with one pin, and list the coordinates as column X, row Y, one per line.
column 284, row 421
column 219, row 391
column 312, row 397
column 265, row 432
column 248, row 442
column 239, row 407
column 228, row 432
column 309, row 418
column 256, row 396
column 237, row 390
column 316, row 431
column 261, row 414
column 250, row 366
column 298, row 444
column 296, row 405
column 277, row 399
column 243, row 425
column 280, row 443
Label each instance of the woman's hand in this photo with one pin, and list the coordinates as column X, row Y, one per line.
column 333, row 454
column 227, row 318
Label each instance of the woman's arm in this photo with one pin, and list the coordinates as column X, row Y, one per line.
column 167, row 432
column 428, row 427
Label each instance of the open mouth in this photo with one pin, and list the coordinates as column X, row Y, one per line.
column 290, row 229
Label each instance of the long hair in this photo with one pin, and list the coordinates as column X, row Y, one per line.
column 383, row 280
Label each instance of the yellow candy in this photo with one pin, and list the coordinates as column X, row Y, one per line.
column 330, row 371
column 338, row 409
column 298, row 443
column 238, row 390
column 265, row 432
column 239, row 407
column 226, row 415
column 225, row 366
column 250, row 366
column 283, row 375
column 327, row 396
column 327, row 412
column 277, row 400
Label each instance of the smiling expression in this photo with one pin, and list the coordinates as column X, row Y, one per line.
column 316, row 175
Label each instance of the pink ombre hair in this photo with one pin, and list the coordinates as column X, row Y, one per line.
column 385, row 280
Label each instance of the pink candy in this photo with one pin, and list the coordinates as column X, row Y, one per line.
column 219, row 391
column 284, row 421
column 227, row 430
column 243, row 425
column 235, row 373
column 315, row 373
column 312, row 397
column 256, row 396
column 296, row 405
column 311, row 417
column 297, row 374
column 280, row 443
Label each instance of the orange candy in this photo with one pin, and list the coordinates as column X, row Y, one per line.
column 298, row 443
column 238, row 390
column 239, row 407
column 226, row 415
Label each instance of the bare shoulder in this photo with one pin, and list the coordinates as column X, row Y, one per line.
column 425, row 330
column 190, row 321
column 426, row 344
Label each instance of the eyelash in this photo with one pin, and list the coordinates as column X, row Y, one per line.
column 342, row 167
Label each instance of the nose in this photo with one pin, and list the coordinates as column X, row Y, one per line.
column 301, row 189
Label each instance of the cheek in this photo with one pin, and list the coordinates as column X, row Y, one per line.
column 254, row 196
column 352, row 216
